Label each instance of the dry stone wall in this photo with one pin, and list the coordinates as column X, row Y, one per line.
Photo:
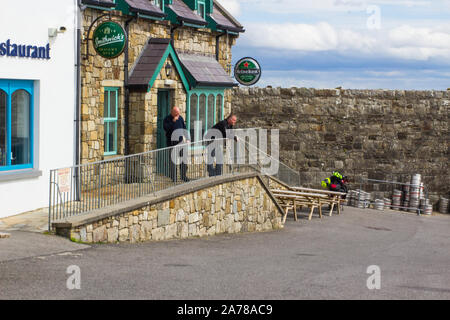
column 233, row 207
column 379, row 134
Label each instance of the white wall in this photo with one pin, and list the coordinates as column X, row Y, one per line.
column 27, row 22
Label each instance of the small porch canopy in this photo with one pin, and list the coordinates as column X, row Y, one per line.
column 195, row 70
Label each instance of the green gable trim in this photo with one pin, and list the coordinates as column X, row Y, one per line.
column 144, row 16
column 123, row 6
column 99, row 8
column 193, row 4
column 169, row 52
column 193, row 25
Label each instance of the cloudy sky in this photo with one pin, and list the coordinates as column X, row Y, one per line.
column 357, row 44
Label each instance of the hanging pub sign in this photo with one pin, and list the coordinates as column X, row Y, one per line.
column 247, row 71
column 109, row 39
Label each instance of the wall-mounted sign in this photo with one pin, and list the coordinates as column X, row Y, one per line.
column 10, row 49
column 64, row 180
column 247, row 71
column 109, row 40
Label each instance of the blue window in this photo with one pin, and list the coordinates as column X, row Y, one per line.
column 16, row 124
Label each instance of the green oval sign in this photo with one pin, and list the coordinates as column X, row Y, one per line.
column 109, row 40
column 247, row 71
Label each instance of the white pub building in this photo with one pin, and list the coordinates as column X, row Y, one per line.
column 37, row 98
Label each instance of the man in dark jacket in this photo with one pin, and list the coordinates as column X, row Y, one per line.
column 172, row 122
column 222, row 126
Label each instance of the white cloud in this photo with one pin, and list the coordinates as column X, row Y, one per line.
column 405, row 42
column 302, row 6
column 232, row 6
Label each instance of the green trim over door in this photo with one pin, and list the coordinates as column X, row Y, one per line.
column 169, row 52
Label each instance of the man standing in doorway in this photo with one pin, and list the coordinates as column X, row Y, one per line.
column 222, row 126
column 172, row 122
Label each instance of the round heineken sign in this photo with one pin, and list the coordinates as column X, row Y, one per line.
column 247, row 71
column 109, row 40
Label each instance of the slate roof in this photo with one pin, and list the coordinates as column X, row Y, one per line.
column 148, row 62
column 224, row 20
column 100, row 3
column 184, row 13
column 205, row 70
column 145, row 7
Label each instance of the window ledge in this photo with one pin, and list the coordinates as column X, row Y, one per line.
column 19, row 174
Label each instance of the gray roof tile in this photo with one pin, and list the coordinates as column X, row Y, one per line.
column 148, row 62
column 206, row 70
column 145, row 7
column 185, row 13
column 219, row 16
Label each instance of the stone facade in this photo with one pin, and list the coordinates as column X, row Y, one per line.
column 98, row 73
column 233, row 207
column 379, row 134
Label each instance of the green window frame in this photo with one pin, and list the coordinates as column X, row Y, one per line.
column 110, row 117
column 159, row 4
column 216, row 97
column 201, row 8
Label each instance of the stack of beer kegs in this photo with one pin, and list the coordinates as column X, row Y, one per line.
column 414, row 193
column 406, row 196
column 361, row 199
column 387, row 203
column 425, row 207
column 443, row 205
column 379, row 204
column 350, row 197
column 396, row 199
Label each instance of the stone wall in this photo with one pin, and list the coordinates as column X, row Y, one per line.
column 379, row 134
column 233, row 207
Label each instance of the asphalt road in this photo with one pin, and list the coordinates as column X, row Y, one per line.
column 318, row 259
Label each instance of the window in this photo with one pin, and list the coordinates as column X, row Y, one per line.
column 211, row 113
column 159, row 4
column 193, row 105
column 202, row 115
column 201, row 8
column 16, row 124
column 110, row 112
column 219, row 108
column 206, row 107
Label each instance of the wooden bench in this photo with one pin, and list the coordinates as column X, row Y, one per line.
column 335, row 197
column 292, row 199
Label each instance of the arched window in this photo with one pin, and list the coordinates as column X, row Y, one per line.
column 3, row 101
column 202, row 114
column 211, row 113
column 20, row 127
column 193, row 105
column 219, row 108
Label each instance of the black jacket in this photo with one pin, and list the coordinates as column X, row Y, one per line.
column 222, row 126
column 170, row 127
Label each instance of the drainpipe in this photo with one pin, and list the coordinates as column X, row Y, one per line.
column 172, row 33
column 127, row 90
column 217, row 44
column 77, row 123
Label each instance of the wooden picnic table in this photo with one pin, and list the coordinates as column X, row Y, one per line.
column 291, row 199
